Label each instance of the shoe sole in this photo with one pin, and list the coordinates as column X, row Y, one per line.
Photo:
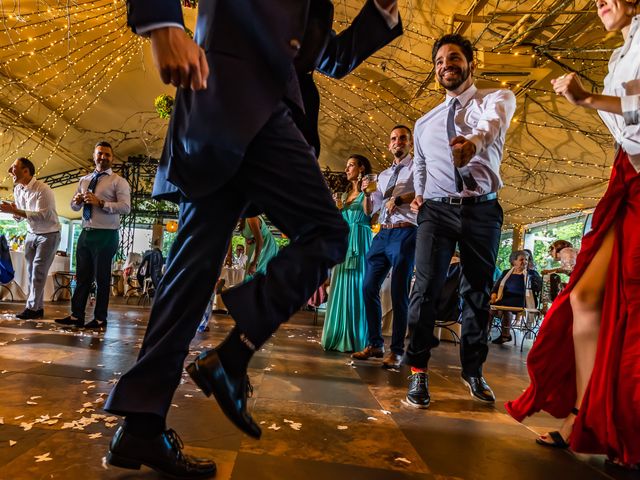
column 415, row 405
column 194, row 373
column 488, row 402
column 369, row 357
column 123, row 462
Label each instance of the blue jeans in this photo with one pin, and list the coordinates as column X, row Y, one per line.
column 391, row 249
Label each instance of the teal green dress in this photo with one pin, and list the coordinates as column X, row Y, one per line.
column 269, row 246
column 345, row 324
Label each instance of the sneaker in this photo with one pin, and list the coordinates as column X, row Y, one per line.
column 70, row 321
column 369, row 352
column 29, row 314
column 96, row 325
column 418, row 393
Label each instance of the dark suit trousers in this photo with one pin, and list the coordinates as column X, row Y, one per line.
column 94, row 254
column 476, row 230
column 280, row 175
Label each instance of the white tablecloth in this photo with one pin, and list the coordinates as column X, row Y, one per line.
column 232, row 276
column 20, row 284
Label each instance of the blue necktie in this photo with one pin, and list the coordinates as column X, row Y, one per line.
column 86, row 209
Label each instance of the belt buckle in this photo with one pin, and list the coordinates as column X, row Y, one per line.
column 455, row 200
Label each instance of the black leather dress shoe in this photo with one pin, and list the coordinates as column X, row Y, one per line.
column 418, row 394
column 96, row 325
column 231, row 392
column 69, row 321
column 163, row 453
column 29, row 314
column 479, row 388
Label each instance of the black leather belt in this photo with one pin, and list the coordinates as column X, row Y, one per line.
column 466, row 200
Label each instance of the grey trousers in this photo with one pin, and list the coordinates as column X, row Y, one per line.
column 39, row 251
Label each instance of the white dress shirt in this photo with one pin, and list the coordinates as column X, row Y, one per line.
column 624, row 67
column 116, row 194
column 482, row 117
column 39, row 204
column 404, row 185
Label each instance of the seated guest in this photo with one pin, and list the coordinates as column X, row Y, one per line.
column 517, row 287
column 240, row 258
column 563, row 252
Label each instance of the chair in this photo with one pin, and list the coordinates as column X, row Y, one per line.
column 525, row 320
column 62, row 281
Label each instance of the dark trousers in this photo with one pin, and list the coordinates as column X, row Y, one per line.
column 94, row 254
column 280, row 175
column 476, row 230
column 394, row 249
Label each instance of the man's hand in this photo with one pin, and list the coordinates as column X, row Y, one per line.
column 91, row 199
column 494, row 298
column 8, row 207
column 179, row 59
column 78, row 199
column 387, row 4
column 463, row 151
column 569, row 87
column 391, row 205
column 416, row 203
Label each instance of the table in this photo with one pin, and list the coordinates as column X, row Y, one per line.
column 19, row 286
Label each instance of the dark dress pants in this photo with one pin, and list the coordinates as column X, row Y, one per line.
column 94, row 255
column 280, row 175
column 392, row 248
column 476, row 229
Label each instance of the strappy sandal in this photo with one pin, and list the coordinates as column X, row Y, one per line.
column 556, row 436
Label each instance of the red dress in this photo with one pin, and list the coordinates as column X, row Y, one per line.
column 609, row 418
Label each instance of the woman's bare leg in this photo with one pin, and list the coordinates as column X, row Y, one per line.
column 586, row 302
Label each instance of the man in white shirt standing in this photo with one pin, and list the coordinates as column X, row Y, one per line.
column 240, row 259
column 34, row 201
column 102, row 196
column 458, row 149
column 393, row 248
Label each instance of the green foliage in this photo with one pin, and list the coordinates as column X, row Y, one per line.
column 282, row 242
column 504, row 250
column 15, row 232
column 164, row 105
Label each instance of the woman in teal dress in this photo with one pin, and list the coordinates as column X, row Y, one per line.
column 261, row 245
column 345, row 324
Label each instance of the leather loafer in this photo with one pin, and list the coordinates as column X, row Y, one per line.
column 368, row 352
column 163, row 453
column 231, row 393
column 392, row 360
column 29, row 314
column 479, row 388
column 96, row 325
column 69, row 321
column 418, row 394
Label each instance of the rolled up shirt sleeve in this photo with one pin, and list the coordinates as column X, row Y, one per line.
column 122, row 204
column 496, row 117
column 631, row 110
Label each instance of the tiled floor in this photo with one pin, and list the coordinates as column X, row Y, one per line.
column 323, row 417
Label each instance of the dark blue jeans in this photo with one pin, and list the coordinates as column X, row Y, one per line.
column 393, row 249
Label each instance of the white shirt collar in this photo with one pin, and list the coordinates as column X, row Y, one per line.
column 464, row 97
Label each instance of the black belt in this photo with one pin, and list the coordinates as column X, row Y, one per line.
column 466, row 200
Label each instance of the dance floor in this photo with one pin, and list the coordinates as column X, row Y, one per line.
column 323, row 416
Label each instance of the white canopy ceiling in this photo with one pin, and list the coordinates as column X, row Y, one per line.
column 71, row 74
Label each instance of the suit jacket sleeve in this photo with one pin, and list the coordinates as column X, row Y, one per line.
column 367, row 34
column 141, row 13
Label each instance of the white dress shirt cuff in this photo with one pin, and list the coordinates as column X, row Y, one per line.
column 631, row 109
column 147, row 29
column 390, row 14
column 477, row 141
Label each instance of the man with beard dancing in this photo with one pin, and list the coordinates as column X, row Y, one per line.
column 457, row 154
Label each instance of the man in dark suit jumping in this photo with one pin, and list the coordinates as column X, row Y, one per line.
column 236, row 139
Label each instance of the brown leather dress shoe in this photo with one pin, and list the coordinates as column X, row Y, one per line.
column 392, row 360
column 368, row 352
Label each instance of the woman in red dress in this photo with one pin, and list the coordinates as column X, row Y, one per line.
column 585, row 365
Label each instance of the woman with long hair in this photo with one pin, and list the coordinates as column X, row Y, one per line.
column 585, row 364
column 345, row 324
